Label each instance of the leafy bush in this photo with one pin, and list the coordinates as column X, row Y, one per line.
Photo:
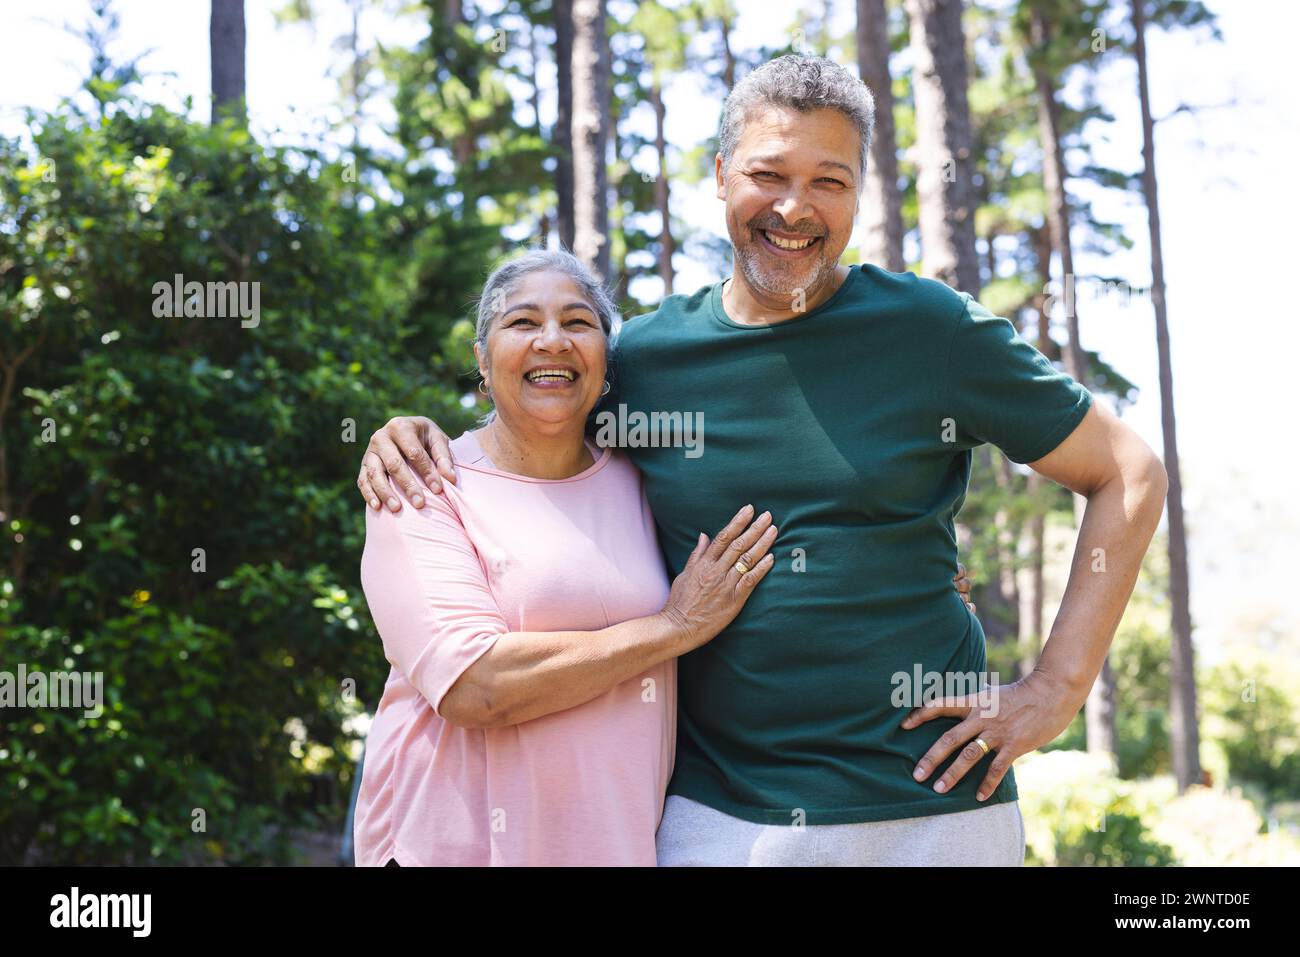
column 131, row 440
column 1252, row 727
column 1079, row 813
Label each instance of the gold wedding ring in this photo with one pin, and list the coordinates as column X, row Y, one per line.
column 741, row 566
column 982, row 744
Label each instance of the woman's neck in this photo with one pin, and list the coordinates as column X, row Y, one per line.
column 559, row 456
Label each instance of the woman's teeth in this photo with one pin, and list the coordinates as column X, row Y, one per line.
column 789, row 243
column 550, row 375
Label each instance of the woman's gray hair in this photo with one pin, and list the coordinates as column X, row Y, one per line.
column 802, row 83
column 507, row 276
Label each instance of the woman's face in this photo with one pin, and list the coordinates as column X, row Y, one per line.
column 545, row 357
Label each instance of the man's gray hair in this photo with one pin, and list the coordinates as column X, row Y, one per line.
column 802, row 83
column 507, row 276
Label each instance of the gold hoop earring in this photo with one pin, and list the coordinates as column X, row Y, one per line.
column 482, row 386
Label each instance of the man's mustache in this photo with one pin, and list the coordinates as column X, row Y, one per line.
column 780, row 227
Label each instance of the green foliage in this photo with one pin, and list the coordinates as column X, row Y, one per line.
column 1254, row 724
column 1139, row 660
column 177, row 434
column 1079, row 813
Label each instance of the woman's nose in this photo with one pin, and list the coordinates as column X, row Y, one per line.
column 551, row 337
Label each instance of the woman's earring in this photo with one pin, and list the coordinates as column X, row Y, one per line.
column 605, row 391
column 482, row 386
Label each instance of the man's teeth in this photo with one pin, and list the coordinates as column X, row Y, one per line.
column 550, row 375
column 790, row 243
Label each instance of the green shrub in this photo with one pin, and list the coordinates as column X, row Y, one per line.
column 131, row 440
column 1079, row 813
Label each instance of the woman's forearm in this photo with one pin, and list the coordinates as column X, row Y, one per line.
column 528, row 674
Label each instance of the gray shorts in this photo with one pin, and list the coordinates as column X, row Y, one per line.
column 692, row 834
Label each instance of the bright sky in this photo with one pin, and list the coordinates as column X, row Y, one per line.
column 1227, row 189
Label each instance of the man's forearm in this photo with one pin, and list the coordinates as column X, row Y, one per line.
column 1117, row 526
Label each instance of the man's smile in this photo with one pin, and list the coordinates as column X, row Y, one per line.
column 787, row 245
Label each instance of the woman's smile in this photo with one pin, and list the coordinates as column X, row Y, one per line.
column 552, row 377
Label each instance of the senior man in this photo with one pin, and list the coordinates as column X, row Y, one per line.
column 847, row 401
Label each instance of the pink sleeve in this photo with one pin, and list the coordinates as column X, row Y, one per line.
column 428, row 595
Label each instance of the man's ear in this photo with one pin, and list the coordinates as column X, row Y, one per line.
column 719, row 175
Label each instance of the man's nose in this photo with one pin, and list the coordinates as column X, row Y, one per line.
column 792, row 207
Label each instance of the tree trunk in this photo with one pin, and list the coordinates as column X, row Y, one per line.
column 1002, row 624
column 618, row 207
column 562, row 137
column 666, row 246
column 1054, row 185
column 226, row 46
column 1032, row 592
column 728, row 56
column 357, row 72
column 535, row 100
column 881, row 200
column 590, row 135
column 943, row 139
column 1184, row 733
column 1099, row 712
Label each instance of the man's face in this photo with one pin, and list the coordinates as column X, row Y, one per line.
column 793, row 178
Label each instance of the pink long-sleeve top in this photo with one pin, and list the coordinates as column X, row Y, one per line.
column 498, row 553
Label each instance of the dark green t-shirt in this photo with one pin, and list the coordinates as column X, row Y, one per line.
column 854, row 425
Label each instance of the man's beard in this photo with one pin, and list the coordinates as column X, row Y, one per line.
column 773, row 278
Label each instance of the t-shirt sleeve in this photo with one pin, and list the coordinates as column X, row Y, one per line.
column 428, row 595
column 1001, row 390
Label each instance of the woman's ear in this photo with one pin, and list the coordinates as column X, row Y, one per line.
column 479, row 358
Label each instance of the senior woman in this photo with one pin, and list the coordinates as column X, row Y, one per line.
column 530, row 714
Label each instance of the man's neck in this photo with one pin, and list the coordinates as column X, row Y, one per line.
column 558, row 456
column 747, row 306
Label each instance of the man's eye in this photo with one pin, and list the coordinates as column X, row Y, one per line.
column 765, row 172
column 833, row 182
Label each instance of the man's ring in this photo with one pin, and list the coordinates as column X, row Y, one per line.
column 982, row 744
column 741, row 566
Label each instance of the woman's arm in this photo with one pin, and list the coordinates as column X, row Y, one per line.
column 442, row 629
column 528, row 674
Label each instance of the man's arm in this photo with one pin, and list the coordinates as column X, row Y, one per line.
column 1125, row 484
column 415, row 443
column 404, row 444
